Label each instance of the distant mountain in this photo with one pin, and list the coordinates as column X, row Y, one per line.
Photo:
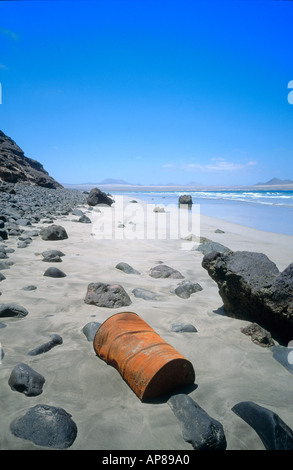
column 275, row 181
column 114, row 181
column 15, row 167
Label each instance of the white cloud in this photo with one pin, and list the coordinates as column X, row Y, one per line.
column 220, row 165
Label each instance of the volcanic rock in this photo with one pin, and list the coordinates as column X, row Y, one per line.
column 96, row 196
column 252, row 288
column 274, row 433
column 46, row 425
column 185, row 199
column 26, row 380
column 198, row 428
column 16, row 167
column 164, row 271
column 54, row 232
column 107, row 295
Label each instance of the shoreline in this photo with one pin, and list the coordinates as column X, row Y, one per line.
column 229, row 367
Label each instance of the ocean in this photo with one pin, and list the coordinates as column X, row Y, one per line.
column 271, row 211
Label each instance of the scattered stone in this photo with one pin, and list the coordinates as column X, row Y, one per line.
column 274, row 433
column 258, row 335
column 2, row 354
column 183, row 328
column 126, row 268
column 107, row 295
column 52, row 259
column 84, row 219
column 30, row 287
column 5, row 264
column 77, row 212
column 90, row 330
column 26, row 380
column 12, row 310
column 22, row 244
column 253, row 289
column 146, row 294
column 47, row 426
column 198, row 428
column 211, row 246
column 96, row 196
column 54, row 272
column 3, row 255
column 2, row 277
column 52, row 253
column 23, row 222
column 164, row 271
column 159, row 209
column 185, row 199
column 56, row 339
column 186, row 288
column 54, row 232
column 218, row 230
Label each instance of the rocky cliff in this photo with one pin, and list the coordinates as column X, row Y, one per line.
column 15, row 167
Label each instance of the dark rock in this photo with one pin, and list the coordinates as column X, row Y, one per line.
column 84, row 219
column 54, row 272
column 2, row 277
column 126, row 268
column 273, row 432
column 211, row 246
column 198, row 428
column 185, row 199
column 2, row 354
column 16, row 167
column 3, row 235
column 186, row 288
column 183, row 328
column 23, row 222
column 90, row 330
column 3, row 255
column 107, row 295
column 258, row 335
column 146, row 294
column 28, row 288
column 77, row 212
column 5, row 265
column 96, row 196
column 52, row 259
column 253, row 289
column 163, row 271
column 12, row 310
column 26, row 380
column 53, row 232
column 46, row 425
column 218, row 230
column 52, row 253
column 54, row 341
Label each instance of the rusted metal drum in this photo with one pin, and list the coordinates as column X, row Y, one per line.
column 149, row 365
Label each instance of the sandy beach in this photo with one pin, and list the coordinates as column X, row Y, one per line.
column 229, row 367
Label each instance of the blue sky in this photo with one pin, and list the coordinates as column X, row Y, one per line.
column 150, row 91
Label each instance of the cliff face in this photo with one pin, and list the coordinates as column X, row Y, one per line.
column 15, row 167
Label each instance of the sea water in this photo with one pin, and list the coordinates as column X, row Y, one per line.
column 271, row 211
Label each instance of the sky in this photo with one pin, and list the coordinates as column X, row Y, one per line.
column 150, row 91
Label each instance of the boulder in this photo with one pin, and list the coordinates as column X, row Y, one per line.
column 186, row 288
column 211, row 246
column 164, row 271
column 258, row 335
column 26, row 380
column 274, row 433
column 107, row 295
column 54, row 341
column 185, row 199
column 96, row 196
column 54, row 272
column 183, row 328
column 126, row 268
column 90, row 329
column 54, row 232
column 198, row 428
column 12, row 310
column 253, row 289
column 146, row 294
column 47, row 426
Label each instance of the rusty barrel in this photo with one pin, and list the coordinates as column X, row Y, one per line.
column 149, row 365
